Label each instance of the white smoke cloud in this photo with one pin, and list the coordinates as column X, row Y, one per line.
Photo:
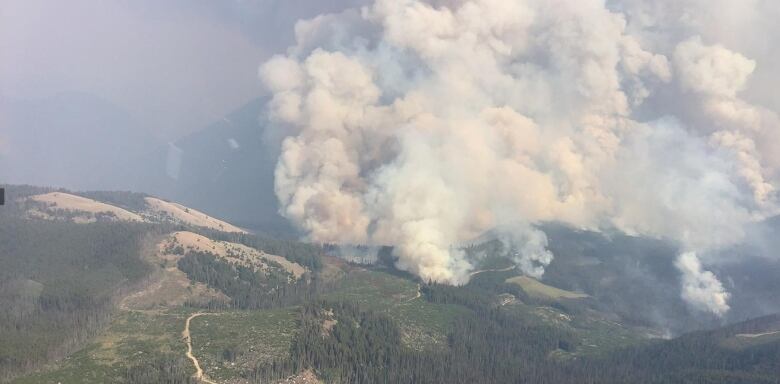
column 701, row 288
column 425, row 124
column 528, row 247
column 711, row 70
column 716, row 75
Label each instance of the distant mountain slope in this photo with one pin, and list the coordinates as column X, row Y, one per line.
column 83, row 142
column 70, row 207
column 233, row 253
column 722, row 355
column 225, row 170
column 80, row 209
column 177, row 213
column 635, row 278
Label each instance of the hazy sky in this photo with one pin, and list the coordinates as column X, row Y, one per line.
column 175, row 65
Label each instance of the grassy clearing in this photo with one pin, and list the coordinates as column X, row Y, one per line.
column 229, row 343
column 537, row 289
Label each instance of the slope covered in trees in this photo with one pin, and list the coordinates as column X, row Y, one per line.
column 248, row 288
column 57, row 285
column 61, row 283
column 489, row 345
column 346, row 323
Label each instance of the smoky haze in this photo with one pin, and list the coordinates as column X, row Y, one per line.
column 87, row 85
column 422, row 125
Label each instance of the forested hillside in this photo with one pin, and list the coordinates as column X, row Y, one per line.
column 63, row 282
column 108, row 301
column 497, row 343
column 58, row 282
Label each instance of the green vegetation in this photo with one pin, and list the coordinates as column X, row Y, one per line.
column 137, row 347
column 57, row 284
column 230, row 344
column 60, row 284
column 422, row 324
column 699, row 357
column 307, row 255
column 372, row 289
column 246, row 287
column 364, row 346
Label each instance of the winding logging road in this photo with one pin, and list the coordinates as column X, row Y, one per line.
column 188, row 340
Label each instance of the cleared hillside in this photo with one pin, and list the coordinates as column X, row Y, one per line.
column 61, row 205
column 76, row 208
column 168, row 211
column 233, row 253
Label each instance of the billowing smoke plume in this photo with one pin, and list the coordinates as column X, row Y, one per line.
column 701, row 288
column 424, row 124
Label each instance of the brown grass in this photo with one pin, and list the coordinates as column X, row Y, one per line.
column 536, row 288
column 77, row 204
column 233, row 253
column 185, row 215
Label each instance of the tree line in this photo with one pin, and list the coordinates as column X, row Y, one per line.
column 246, row 287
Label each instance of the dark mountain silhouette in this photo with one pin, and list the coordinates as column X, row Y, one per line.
column 225, row 169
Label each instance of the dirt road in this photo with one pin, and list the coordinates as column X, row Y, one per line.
column 186, row 335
